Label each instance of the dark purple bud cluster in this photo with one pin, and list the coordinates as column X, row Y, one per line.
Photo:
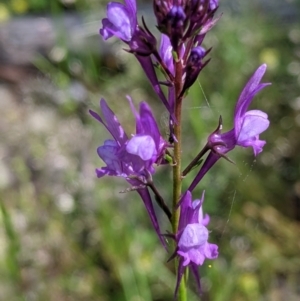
column 185, row 23
column 181, row 20
column 194, row 65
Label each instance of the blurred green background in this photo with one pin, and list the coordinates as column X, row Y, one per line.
column 65, row 235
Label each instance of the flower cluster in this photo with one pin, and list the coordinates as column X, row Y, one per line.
column 180, row 57
column 132, row 158
column 192, row 238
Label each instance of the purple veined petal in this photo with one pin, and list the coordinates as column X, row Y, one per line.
column 193, row 235
column 198, row 212
column 142, row 146
column 194, row 212
column 213, row 4
column 138, row 127
column 133, row 162
column 120, row 17
column 184, row 204
column 186, row 201
column 205, row 221
column 199, row 202
column 254, row 123
column 197, row 208
column 131, row 5
column 108, row 153
column 256, row 144
column 211, row 251
column 195, row 204
column 121, row 21
column 165, row 52
column 109, row 149
column 107, row 30
column 104, row 171
column 149, row 124
column 112, row 123
column 197, row 256
column 252, row 84
column 185, row 256
column 242, row 107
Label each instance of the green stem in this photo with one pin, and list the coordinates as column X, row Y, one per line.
column 176, row 171
column 177, row 179
column 182, row 292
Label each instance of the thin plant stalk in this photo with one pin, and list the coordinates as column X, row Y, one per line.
column 177, row 179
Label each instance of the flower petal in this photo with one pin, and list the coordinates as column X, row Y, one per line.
column 196, row 256
column 211, row 251
column 142, row 146
column 251, row 85
column 165, row 52
column 149, row 124
column 193, row 235
column 112, row 123
column 107, row 30
column 121, row 21
column 108, row 153
column 254, row 123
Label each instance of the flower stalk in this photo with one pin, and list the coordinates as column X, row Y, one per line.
column 177, row 179
column 177, row 146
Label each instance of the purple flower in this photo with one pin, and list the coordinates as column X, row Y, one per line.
column 248, row 125
column 180, row 20
column 213, row 4
column 192, row 238
column 165, row 52
column 121, row 20
column 132, row 158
